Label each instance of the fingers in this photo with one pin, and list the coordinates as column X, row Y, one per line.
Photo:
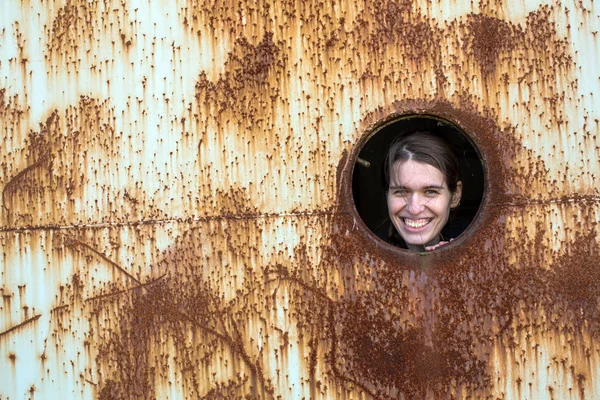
column 431, row 248
column 440, row 244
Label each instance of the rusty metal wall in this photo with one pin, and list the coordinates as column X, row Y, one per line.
column 176, row 218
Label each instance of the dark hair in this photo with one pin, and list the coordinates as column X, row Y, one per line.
column 426, row 148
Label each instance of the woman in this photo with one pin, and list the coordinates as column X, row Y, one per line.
column 423, row 183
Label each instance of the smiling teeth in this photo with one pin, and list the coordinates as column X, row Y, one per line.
column 416, row 224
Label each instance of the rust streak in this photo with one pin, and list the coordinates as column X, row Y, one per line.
column 79, row 243
column 317, row 291
column 102, row 225
column 235, row 346
column 15, row 180
column 118, row 292
column 521, row 201
column 27, row 321
column 58, row 308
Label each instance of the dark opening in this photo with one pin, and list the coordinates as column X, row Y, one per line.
column 368, row 180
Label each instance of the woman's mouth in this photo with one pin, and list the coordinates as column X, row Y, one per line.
column 416, row 223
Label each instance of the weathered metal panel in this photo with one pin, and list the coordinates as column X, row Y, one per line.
column 176, row 210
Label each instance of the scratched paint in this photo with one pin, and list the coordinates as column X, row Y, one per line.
column 176, row 217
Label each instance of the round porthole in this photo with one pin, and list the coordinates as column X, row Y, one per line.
column 417, row 206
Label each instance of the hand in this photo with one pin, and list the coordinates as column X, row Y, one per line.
column 435, row 246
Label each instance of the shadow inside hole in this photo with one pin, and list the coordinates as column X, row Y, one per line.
column 368, row 183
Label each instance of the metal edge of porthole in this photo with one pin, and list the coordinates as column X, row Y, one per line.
column 465, row 123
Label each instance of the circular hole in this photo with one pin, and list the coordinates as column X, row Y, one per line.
column 369, row 184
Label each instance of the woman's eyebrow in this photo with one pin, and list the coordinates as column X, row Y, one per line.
column 440, row 187
column 434, row 187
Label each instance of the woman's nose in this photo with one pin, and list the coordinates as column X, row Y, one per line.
column 415, row 204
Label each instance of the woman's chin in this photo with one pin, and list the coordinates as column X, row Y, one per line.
column 420, row 241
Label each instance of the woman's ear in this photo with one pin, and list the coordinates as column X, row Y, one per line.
column 456, row 195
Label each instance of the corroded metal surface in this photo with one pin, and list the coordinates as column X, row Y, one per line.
column 176, row 217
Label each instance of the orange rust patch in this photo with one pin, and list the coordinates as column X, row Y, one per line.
column 74, row 23
column 246, row 87
column 488, row 38
column 576, row 277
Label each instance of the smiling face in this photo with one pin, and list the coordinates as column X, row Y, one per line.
column 419, row 202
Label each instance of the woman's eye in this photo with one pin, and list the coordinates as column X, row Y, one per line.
column 431, row 192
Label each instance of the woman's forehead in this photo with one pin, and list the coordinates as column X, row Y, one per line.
column 415, row 173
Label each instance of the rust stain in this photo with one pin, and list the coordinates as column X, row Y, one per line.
column 246, row 86
column 40, row 160
column 12, row 114
column 72, row 26
column 77, row 26
column 488, row 38
column 576, row 278
column 181, row 302
column 385, row 24
column 21, row 325
column 162, row 314
column 60, row 157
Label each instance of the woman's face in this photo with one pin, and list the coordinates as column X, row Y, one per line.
column 419, row 202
